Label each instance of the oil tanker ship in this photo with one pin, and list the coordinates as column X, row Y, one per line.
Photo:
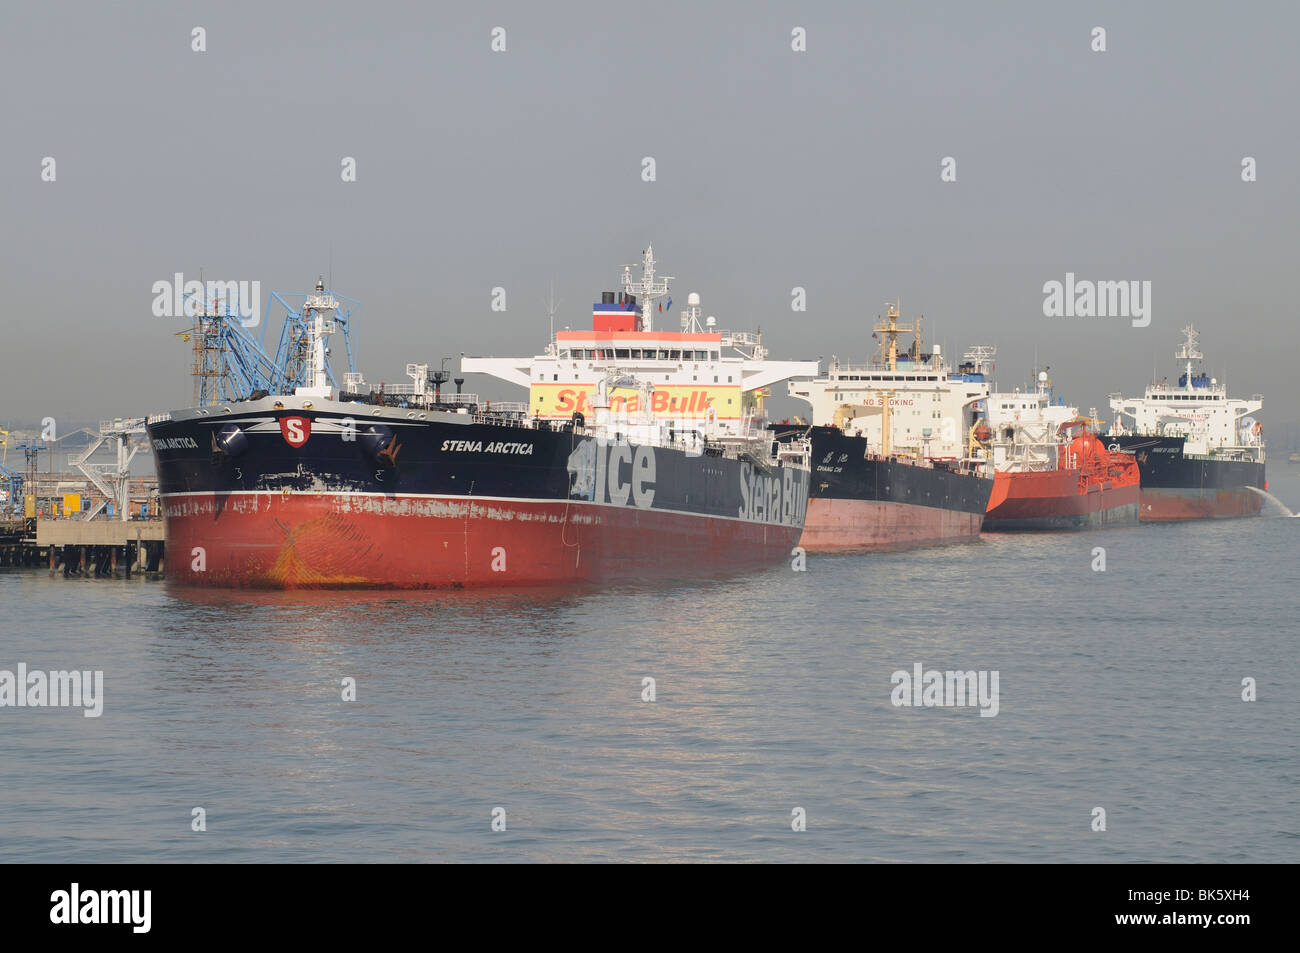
column 889, row 449
column 403, row 488
column 1051, row 471
column 1200, row 453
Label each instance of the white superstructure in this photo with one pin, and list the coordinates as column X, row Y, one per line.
column 1025, row 427
column 902, row 402
column 1197, row 408
column 698, row 379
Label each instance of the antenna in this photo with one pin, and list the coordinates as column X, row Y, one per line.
column 551, row 305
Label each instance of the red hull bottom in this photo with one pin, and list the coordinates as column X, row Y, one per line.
column 1159, row 505
column 1050, row 500
column 332, row 541
column 841, row 526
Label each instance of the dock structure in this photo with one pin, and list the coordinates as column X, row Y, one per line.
column 98, row 548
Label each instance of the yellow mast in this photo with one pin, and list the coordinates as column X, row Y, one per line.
column 888, row 329
column 884, row 423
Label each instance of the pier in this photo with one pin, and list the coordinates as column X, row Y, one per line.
column 93, row 520
column 98, row 548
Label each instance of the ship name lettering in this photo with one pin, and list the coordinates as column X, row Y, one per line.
column 476, row 446
column 609, row 475
column 770, row 498
column 695, row 402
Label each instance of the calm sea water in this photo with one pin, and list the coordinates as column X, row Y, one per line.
column 1118, row 689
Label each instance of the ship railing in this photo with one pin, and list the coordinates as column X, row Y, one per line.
column 426, row 395
column 393, row 398
column 905, row 366
column 121, row 425
column 739, row 338
column 504, row 411
column 1234, row 451
column 796, row 452
column 740, row 438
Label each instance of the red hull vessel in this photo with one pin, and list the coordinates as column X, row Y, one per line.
column 1050, row 499
column 1168, row 504
column 621, row 466
column 1100, row 489
column 1201, row 452
column 846, row 525
column 305, row 540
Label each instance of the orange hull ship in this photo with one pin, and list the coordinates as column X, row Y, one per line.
column 1090, row 487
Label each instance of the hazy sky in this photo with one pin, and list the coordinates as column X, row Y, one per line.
column 775, row 169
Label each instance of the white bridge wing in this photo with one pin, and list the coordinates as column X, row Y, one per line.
column 505, row 368
column 765, row 373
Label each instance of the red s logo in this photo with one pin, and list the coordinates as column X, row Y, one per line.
column 295, row 430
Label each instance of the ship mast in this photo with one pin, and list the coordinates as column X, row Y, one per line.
column 319, row 312
column 649, row 287
column 889, row 329
column 1189, row 351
